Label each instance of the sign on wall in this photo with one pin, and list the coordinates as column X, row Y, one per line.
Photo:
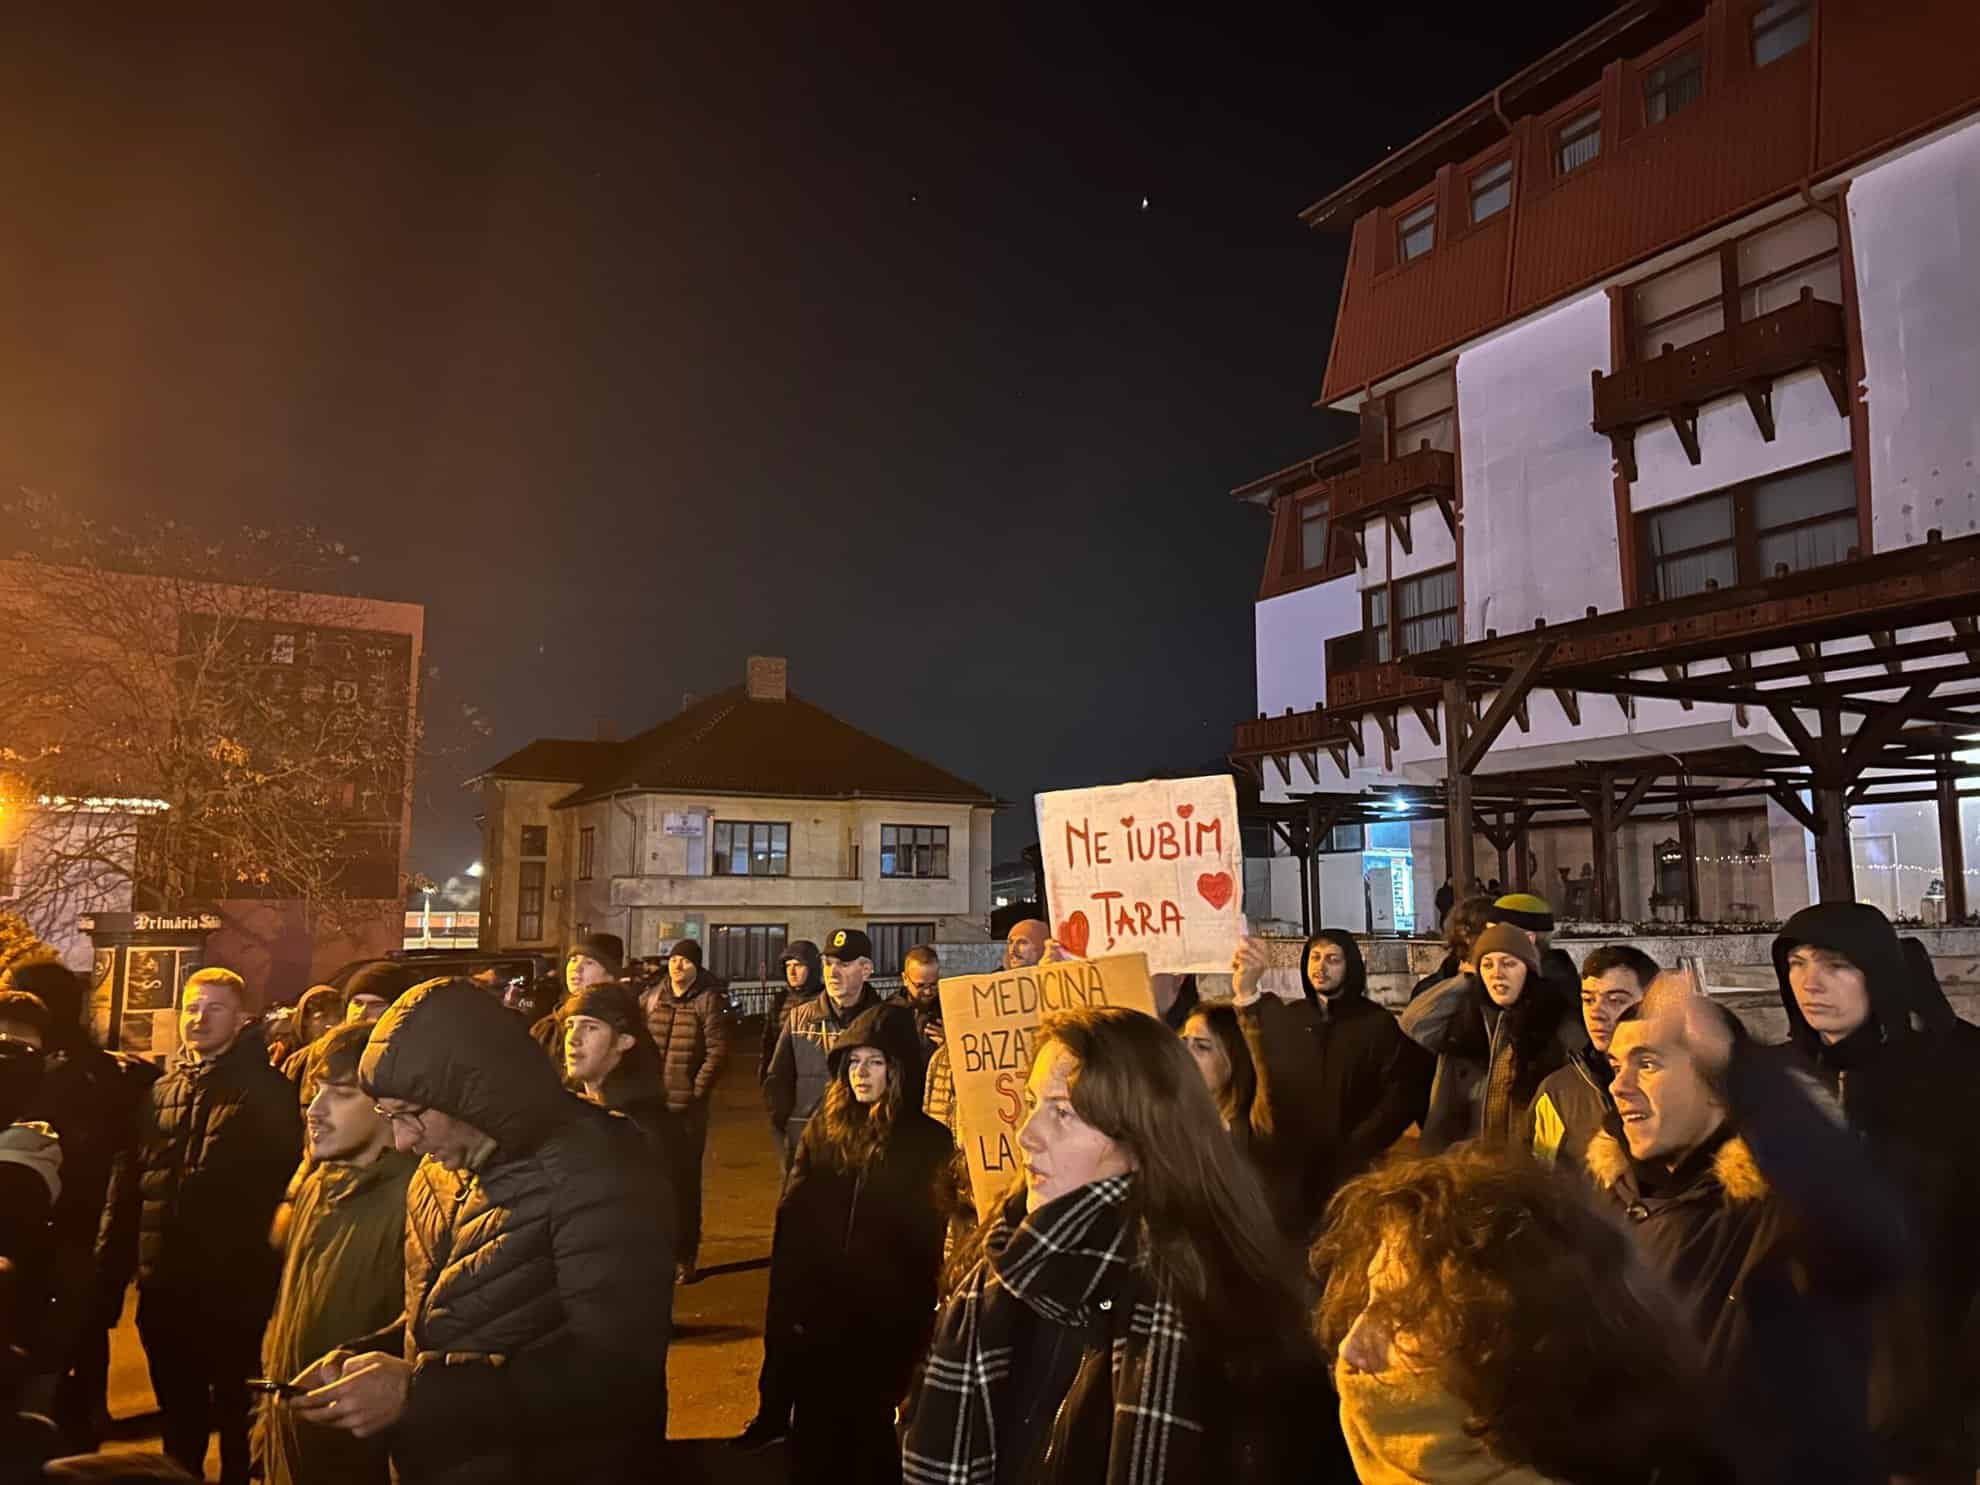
column 990, row 1026
column 1154, row 868
column 681, row 822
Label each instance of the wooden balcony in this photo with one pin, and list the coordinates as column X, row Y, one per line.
column 1747, row 359
column 1390, row 488
column 1365, row 687
column 1295, row 732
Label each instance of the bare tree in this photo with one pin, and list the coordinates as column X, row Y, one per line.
column 187, row 717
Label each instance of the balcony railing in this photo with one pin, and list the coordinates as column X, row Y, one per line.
column 1746, row 358
column 1366, row 686
column 1375, row 489
column 1292, row 733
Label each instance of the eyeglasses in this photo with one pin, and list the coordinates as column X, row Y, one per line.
column 410, row 1120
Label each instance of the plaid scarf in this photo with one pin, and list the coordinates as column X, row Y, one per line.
column 1058, row 1262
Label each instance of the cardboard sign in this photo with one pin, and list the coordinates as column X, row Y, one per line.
column 1154, row 868
column 990, row 1026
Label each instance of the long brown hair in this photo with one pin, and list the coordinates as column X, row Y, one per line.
column 1241, row 1088
column 1532, row 1306
column 851, row 1134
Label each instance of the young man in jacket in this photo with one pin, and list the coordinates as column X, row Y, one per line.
column 531, row 1343
column 1765, row 1217
column 688, row 1016
column 1913, row 1097
column 804, row 982
column 218, row 1139
column 343, row 1274
column 1338, row 1082
column 1572, row 1103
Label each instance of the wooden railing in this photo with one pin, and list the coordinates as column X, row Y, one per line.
column 1374, row 685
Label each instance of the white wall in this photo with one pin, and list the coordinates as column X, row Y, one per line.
column 1807, row 427
column 1292, row 634
column 1915, row 226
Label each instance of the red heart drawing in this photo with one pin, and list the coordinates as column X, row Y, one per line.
column 1073, row 932
column 1215, row 889
column 1127, row 822
column 1185, row 810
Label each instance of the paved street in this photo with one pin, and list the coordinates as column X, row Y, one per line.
column 718, row 1323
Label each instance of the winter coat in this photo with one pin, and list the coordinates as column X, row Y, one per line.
column 859, row 1251
column 30, row 1189
column 217, row 1143
column 534, row 1315
column 1472, row 1038
column 344, row 1275
column 1776, row 1237
column 1570, row 1109
column 784, row 1000
column 1913, row 1094
column 1338, row 1082
column 692, row 1033
column 798, row 1072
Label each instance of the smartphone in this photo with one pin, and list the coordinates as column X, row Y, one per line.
column 273, row 1388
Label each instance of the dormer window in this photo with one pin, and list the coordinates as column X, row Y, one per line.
column 1416, row 231
column 1778, row 29
column 1578, row 141
column 1491, row 191
column 1673, row 86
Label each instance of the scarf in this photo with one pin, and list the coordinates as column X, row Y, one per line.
column 1403, row 1428
column 1061, row 1262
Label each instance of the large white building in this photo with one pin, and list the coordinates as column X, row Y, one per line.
column 1688, row 306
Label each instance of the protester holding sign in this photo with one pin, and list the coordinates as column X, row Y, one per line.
column 1127, row 1313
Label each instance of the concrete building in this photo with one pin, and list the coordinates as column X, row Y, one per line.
column 749, row 819
column 1684, row 310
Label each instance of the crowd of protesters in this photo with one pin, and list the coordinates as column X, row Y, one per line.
column 1550, row 1223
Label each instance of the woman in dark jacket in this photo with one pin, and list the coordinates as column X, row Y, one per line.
column 1128, row 1314
column 1496, row 1028
column 854, row 1261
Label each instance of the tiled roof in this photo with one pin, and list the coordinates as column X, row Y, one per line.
column 728, row 744
column 555, row 760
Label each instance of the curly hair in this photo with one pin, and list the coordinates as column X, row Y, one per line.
column 1466, row 921
column 851, row 1134
column 1530, row 1303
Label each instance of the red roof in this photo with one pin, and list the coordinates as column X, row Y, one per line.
column 729, row 744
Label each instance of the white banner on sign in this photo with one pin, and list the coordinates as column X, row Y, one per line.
column 1153, row 868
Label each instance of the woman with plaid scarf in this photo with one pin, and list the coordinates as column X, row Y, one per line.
column 1127, row 1315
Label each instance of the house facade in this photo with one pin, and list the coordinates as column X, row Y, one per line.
column 750, row 819
column 1685, row 307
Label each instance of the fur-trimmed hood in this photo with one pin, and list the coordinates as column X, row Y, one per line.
column 1733, row 1167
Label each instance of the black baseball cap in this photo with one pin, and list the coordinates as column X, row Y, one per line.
column 848, row 943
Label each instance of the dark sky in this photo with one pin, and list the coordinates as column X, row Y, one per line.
column 631, row 347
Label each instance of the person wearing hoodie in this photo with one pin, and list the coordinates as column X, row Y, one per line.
column 319, row 1010
column 219, row 1136
column 1912, row 1094
column 30, row 1176
column 1573, row 1104
column 1774, row 1228
column 687, row 1014
column 525, row 1350
column 1497, row 1029
column 856, row 1254
column 343, row 1269
column 804, row 981
column 1337, row 1081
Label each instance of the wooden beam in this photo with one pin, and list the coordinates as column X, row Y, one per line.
column 1869, row 739
column 1460, row 864
column 1835, row 867
column 1688, row 846
column 1449, row 512
column 1311, row 758
column 1812, row 752
column 1525, row 722
column 1968, row 629
column 1399, row 527
column 1570, row 705
column 1790, row 801
column 1674, row 674
column 1760, row 402
column 1884, row 642
column 1685, row 421
column 1511, row 694
column 1633, row 796
column 1352, row 729
column 1628, row 705
column 1952, row 843
column 1359, row 534
column 1426, row 713
column 1386, row 720
column 1339, row 753
column 1280, row 761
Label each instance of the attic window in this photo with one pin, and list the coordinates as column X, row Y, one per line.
column 1578, row 141
column 1672, row 87
column 1778, row 29
column 1416, row 232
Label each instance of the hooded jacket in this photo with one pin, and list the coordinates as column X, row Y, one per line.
column 30, row 1185
column 1570, row 1109
column 534, row 1318
column 1338, row 1082
column 691, row 1032
column 798, row 1069
column 344, row 1275
column 859, row 1250
column 784, row 1000
column 1473, row 1040
column 1914, row 1097
column 1775, row 1236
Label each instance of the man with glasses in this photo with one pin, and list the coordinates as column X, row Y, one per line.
column 533, row 1343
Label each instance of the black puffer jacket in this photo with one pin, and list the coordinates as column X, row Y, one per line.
column 217, row 1143
column 1914, row 1096
column 544, row 1257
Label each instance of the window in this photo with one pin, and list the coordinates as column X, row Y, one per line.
column 1578, row 141
column 1671, row 87
column 1677, row 307
column 536, row 840
column 891, row 941
column 1343, row 838
column 747, row 951
column 1426, row 611
column 746, row 848
column 1778, row 29
column 1313, row 533
column 1416, row 232
column 914, row 850
column 1768, row 269
column 1491, row 191
column 1375, row 625
column 1777, row 262
column 587, row 851
column 282, row 649
column 1425, row 412
column 1801, row 519
column 529, row 901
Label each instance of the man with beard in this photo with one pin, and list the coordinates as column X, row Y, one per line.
column 921, row 983
column 1336, row 1076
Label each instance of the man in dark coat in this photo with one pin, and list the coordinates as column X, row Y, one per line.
column 533, row 1337
column 804, row 981
column 688, row 1016
column 30, row 1177
column 1337, row 1078
column 1913, row 1094
column 1768, row 1222
column 344, row 1270
column 218, row 1139
column 1573, row 1103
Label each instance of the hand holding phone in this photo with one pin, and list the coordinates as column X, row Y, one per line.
column 273, row 1388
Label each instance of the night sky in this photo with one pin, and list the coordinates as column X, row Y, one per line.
column 631, row 347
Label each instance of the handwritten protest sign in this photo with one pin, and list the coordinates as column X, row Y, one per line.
column 990, row 1026
column 1155, row 868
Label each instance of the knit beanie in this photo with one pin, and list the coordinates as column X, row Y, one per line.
column 611, row 1002
column 1503, row 938
column 1535, row 914
column 388, row 979
column 607, row 948
column 689, row 949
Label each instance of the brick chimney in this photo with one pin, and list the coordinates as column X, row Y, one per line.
column 769, row 677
